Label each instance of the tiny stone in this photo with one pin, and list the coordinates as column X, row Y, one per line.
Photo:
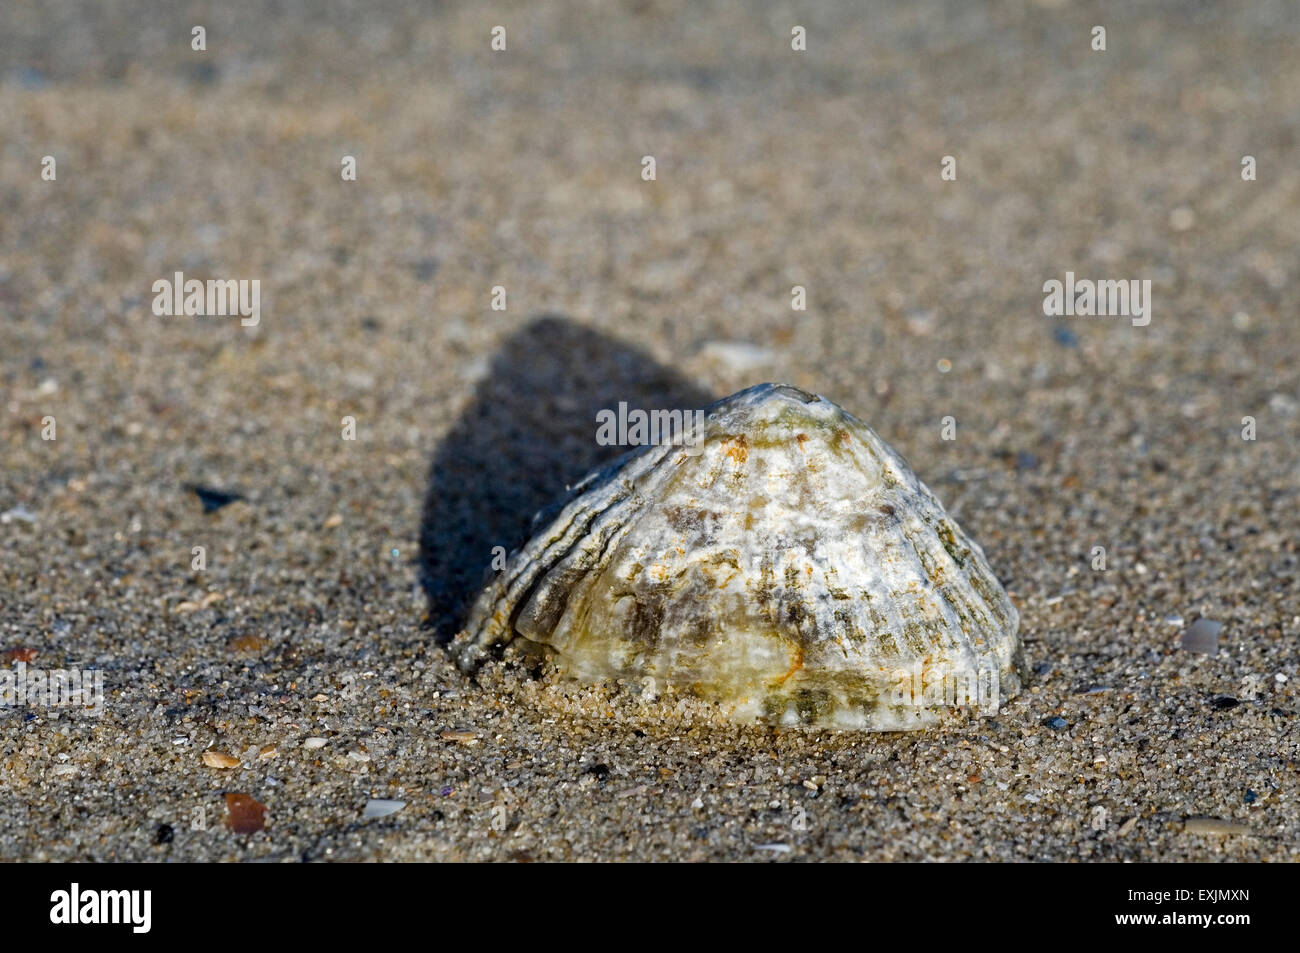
column 464, row 737
column 1065, row 337
column 314, row 743
column 1201, row 637
column 244, row 814
column 1174, row 619
column 211, row 499
column 382, row 807
column 1224, row 702
column 1251, row 796
column 1093, row 690
column 1213, row 825
column 20, row 513
column 775, row 848
column 164, row 835
column 1056, row 723
column 219, row 759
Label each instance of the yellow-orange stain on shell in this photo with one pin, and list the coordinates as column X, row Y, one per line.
column 738, row 449
column 798, row 664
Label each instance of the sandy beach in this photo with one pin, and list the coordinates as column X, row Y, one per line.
column 342, row 469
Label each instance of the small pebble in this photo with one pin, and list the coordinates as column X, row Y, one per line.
column 247, row 644
column 193, row 606
column 211, row 499
column 1251, row 796
column 219, row 759
column 20, row 514
column 311, row 743
column 1213, row 825
column 1065, row 337
column 1201, row 637
column 774, row 848
column 1056, row 723
column 244, row 814
column 1224, row 702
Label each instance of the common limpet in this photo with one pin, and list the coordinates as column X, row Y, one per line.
column 787, row 565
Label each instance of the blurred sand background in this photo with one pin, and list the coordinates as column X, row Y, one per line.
column 328, row 586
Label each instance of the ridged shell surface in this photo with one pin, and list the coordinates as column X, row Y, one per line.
column 784, row 563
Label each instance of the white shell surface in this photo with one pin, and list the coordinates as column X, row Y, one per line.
column 787, row 565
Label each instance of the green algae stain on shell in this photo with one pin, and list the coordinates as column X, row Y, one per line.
column 789, row 567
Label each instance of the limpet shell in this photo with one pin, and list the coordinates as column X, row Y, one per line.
column 785, row 564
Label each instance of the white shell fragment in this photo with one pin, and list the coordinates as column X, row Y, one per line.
column 785, row 564
column 381, row 807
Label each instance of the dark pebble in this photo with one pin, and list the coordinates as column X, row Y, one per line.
column 1251, row 796
column 425, row 268
column 211, row 499
column 1056, row 723
column 1065, row 337
column 165, row 834
column 1224, row 702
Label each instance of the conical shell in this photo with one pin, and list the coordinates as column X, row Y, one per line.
column 784, row 563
